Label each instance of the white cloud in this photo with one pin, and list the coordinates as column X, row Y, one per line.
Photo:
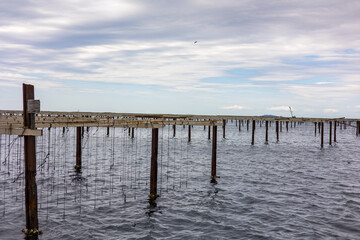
column 280, row 108
column 330, row 110
column 237, row 107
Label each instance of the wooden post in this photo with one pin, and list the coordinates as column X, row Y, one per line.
column 224, row 124
column 247, row 125
column 107, row 131
column 239, row 126
column 330, row 132
column 174, row 130
column 63, row 130
column 253, row 133
column 277, row 131
column 322, row 135
column 266, row 131
column 315, row 123
column 209, row 134
column 213, row 155
column 31, row 205
column 335, row 132
column 132, row 132
column 129, row 132
column 154, row 164
column 287, row 126
column 281, row 123
column 189, row 134
column 78, row 149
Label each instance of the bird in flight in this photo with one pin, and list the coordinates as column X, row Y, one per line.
column 195, row 42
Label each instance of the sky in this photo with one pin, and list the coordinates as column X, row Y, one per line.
column 231, row 57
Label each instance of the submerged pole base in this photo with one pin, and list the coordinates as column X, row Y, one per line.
column 31, row 233
column 77, row 168
column 213, row 179
column 153, row 196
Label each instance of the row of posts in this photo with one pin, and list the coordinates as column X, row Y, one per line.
column 30, row 155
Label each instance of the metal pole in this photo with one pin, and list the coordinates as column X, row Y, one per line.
column 266, row 131
column 330, row 132
column 78, row 149
column 253, row 133
column 213, row 156
column 322, row 135
column 154, row 164
column 189, row 133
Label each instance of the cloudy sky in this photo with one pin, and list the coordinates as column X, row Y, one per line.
column 251, row 57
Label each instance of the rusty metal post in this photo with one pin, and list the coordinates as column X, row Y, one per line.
column 78, row 149
column 189, row 133
column 31, row 205
column 330, row 132
column 253, row 133
column 277, row 131
column 322, row 135
column 154, row 163
column 335, row 131
column 213, row 155
column 266, row 131
column 224, row 125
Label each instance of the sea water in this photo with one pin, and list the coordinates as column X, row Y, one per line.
column 291, row 189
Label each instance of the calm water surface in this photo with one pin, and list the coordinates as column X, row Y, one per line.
column 292, row 189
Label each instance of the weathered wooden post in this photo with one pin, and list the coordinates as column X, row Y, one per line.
column 107, row 131
column 266, row 131
column 330, row 132
column 209, row 134
column 132, row 132
column 213, row 155
column 31, row 205
column 315, row 124
column 174, row 130
column 287, row 126
column 247, row 125
column 154, row 163
column 239, row 126
column 224, row 125
column 78, row 149
column 277, row 131
column 335, row 131
column 189, row 133
column 253, row 133
column 281, row 123
column 322, row 135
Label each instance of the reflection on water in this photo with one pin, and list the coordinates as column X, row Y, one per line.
column 289, row 189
